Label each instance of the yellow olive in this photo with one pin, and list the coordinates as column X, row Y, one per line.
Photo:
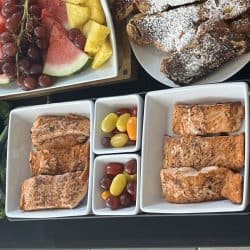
column 118, row 184
column 109, row 122
column 121, row 123
column 119, row 140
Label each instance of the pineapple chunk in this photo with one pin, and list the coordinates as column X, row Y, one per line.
column 96, row 35
column 102, row 55
column 77, row 15
column 96, row 10
column 87, row 27
column 81, row 2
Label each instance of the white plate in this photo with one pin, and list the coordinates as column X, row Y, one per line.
column 19, row 147
column 98, row 205
column 108, row 70
column 158, row 122
column 150, row 59
column 106, row 105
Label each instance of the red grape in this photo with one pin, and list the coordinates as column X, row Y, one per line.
column 30, row 83
column 114, row 168
column 106, row 182
column 113, row 202
column 36, row 69
column 5, row 13
column 106, row 142
column 125, row 199
column 42, row 43
column 12, row 23
column 9, row 49
column 45, row 81
column 80, row 41
column 131, row 167
column 10, row 7
column 24, row 65
column 8, row 67
column 40, row 32
column 34, row 54
column 122, row 111
column 35, row 10
column 6, row 37
column 8, row 59
column 72, row 33
column 131, row 188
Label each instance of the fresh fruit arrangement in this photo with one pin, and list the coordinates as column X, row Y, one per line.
column 120, row 127
column 43, row 39
column 119, row 184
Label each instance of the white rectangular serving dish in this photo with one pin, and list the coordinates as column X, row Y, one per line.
column 158, row 122
column 98, row 205
column 108, row 70
column 19, row 147
column 106, row 105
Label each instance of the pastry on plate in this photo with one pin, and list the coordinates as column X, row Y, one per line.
column 122, row 8
column 168, row 31
column 207, row 119
column 199, row 152
column 224, row 9
column 214, row 45
column 60, row 161
column 60, row 131
column 51, row 192
column 187, row 185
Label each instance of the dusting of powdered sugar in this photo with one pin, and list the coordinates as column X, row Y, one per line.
column 225, row 9
column 157, row 6
column 174, row 29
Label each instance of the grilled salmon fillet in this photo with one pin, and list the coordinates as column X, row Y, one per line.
column 59, row 131
column 50, row 192
column 187, row 185
column 199, row 152
column 207, row 119
column 60, row 161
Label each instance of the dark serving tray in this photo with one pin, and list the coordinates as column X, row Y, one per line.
column 144, row 230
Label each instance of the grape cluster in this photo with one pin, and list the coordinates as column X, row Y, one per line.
column 24, row 44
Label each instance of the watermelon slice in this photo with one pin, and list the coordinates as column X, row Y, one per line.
column 57, row 8
column 63, row 58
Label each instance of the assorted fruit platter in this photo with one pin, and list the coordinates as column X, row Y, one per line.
column 41, row 40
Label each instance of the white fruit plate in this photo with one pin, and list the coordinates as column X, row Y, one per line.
column 108, row 70
column 150, row 59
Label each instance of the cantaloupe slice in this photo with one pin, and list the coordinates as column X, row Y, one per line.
column 102, row 55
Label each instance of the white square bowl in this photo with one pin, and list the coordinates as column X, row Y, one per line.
column 104, row 106
column 158, row 122
column 19, row 147
column 108, row 70
column 98, row 205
